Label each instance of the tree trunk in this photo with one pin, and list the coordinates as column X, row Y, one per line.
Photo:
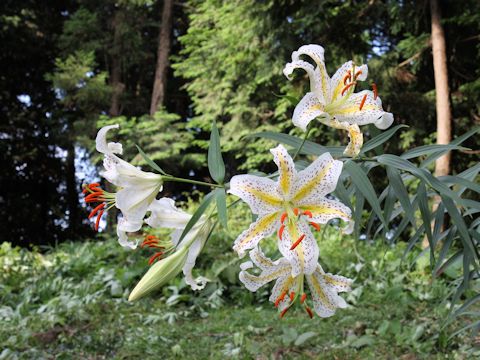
column 163, row 51
column 72, row 190
column 444, row 114
column 116, row 68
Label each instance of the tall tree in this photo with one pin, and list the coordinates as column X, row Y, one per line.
column 163, row 52
column 116, row 64
column 444, row 113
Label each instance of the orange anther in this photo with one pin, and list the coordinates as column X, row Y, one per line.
column 295, row 244
column 303, row 298
column 97, row 223
column 154, row 257
column 348, row 87
column 282, row 314
column 292, row 296
column 308, row 213
column 363, row 101
column 309, row 312
column 357, row 74
column 375, row 91
column 94, row 211
column 284, row 216
column 280, row 298
column 347, row 77
column 296, row 211
column 315, row 225
column 280, row 231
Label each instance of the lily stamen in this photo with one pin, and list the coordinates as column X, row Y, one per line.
column 94, row 211
column 292, row 296
column 375, row 91
column 295, row 244
column 280, row 298
column 347, row 77
column 282, row 314
column 280, row 231
column 296, row 211
column 154, row 257
column 308, row 213
column 284, row 216
column 357, row 74
column 315, row 225
column 363, row 101
column 309, row 312
column 348, row 86
column 303, row 298
column 97, row 223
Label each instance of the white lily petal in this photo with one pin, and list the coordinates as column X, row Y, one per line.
column 325, row 210
column 123, row 227
column 337, row 83
column 306, row 110
column 260, row 193
column 314, row 76
column 101, row 141
column 286, row 169
column 283, row 287
column 164, row 214
column 371, row 112
column 324, row 298
column 304, row 257
column 316, row 53
column 195, row 248
column 253, row 283
column 317, row 180
column 260, row 229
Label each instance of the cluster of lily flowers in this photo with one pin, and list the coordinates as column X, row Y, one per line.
column 293, row 207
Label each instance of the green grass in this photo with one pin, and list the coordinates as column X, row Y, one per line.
column 70, row 304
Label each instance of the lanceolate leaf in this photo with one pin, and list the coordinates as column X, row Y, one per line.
column 309, row 147
column 380, row 139
column 150, row 162
column 429, row 149
column 425, row 213
column 402, row 194
column 360, row 179
column 216, row 165
column 221, row 200
column 198, row 213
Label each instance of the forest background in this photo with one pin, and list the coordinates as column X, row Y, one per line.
column 164, row 70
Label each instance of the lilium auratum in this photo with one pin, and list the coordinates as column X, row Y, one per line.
column 323, row 287
column 137, row 189
column 333, row 100
column 292, row 205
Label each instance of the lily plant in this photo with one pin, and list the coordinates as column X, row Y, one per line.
column 333, row 101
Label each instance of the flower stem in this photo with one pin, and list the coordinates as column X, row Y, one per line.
column 189, row 181
column 301, row 145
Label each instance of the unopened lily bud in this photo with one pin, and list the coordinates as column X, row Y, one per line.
column 160, row 273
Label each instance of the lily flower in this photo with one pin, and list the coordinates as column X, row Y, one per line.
column 164, row 214
column 333, row 100
column 323, row 287
column 291, row 205
column 137, row 188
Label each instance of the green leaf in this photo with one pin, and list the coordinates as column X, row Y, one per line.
column 221, row 200
column 216, row 165
column 150, row 162
column 460, row 224
column 197, row 214
column 302, row 338
column 380, row 139
column 445, row 248
column 431, row 158
column 357, row 213
column 402, row 194
column 309, row 148
column 429, row 149
column 426, row 217
column 360, row 179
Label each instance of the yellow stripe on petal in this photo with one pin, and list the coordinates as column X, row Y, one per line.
column 255, row 233
column 326, row 210
column 353, row 109
column 310, row 184
column 269, row 199
column 322, row 297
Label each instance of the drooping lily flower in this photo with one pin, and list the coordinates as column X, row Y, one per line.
column 323, row 287
column 137, row 188
column 333, row 100
column 164, row 214
column 291, row 205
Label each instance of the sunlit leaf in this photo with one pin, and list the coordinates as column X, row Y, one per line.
column 216, row 165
